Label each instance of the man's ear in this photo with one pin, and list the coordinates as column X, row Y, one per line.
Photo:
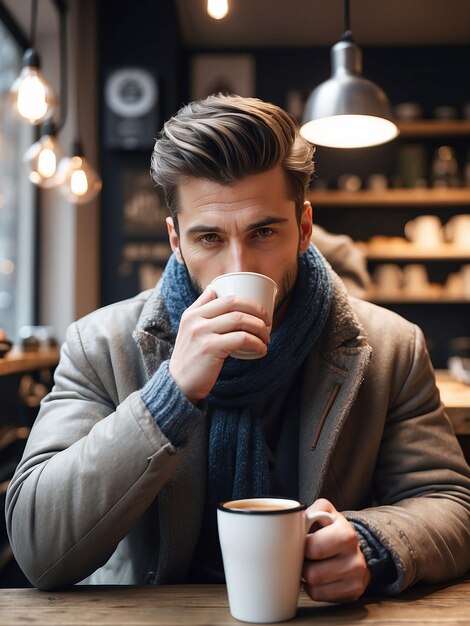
column 174, row 240
column 306, row 222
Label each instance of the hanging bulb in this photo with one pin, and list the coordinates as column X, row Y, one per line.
column 42, row 158
column 79, row 181
column 217, row 9
column 31, row 95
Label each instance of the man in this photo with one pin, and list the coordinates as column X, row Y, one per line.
column 150, row 423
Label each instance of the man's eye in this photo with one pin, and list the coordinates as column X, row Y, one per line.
column 208, row 238
column 264, row 233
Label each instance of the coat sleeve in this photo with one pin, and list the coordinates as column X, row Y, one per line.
column 89, row 471
column 421, row 483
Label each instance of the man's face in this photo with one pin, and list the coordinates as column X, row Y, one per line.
column 250, row 226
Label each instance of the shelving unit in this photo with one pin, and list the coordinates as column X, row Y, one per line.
column 376, row 219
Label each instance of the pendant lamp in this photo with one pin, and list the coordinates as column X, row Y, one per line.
column 79, row 181
column 347, row 110
column 42, row 158
column 32, row 97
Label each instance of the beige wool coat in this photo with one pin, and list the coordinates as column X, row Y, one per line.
column 101, row 492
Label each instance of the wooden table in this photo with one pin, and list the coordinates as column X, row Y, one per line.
column 203, row 605
column 455, row 396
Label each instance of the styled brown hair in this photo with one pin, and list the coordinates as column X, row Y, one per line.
column 227, row 138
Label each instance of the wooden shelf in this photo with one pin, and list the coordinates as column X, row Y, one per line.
column 17, row 361
column 389, row 197
column 434, row 128
column 442, row 299
column 399, row 249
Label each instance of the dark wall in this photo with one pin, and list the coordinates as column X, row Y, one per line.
column 141, row 34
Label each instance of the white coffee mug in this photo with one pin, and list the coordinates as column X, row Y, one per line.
column 388, row 279
column 250, row 285
column 415, row 279
column 263, row 549
column 457, row 231
column 425, row 231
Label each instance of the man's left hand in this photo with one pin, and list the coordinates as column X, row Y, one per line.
column 335, row 569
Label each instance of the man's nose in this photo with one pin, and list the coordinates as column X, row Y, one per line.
column 239, row 259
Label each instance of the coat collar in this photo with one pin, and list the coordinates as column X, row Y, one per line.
column 332, row 376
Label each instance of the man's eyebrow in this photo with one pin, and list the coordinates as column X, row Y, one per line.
column 265, row 221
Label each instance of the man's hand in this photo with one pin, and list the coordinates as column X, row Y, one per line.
column 209, row 330
column 335, row 569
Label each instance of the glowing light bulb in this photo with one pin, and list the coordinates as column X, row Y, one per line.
column 42, row 157
column 32, row 103
column 47, row 163
column 79, row 183
column 217, row 9
column 31, row 95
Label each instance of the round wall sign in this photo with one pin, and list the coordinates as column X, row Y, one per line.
column 131, row 92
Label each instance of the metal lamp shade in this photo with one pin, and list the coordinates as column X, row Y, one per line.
column 347, row 110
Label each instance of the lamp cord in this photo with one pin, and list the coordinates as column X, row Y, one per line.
column 63, row 67
column 347, row 34
column 346, row 16
column 34, row 21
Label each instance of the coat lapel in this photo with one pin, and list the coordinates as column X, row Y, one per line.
column 331, row 379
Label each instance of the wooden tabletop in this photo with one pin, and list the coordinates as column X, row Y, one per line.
column 202, row 605
column 455, row 396
column 18, row 361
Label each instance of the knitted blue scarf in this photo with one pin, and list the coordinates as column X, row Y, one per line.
column 237, row 459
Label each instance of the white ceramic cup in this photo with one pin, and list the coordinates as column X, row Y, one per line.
column 415, row 279
column 388, row 279
column 263, row 548
column 425, row 231
column 250, row 285
column 457, row 230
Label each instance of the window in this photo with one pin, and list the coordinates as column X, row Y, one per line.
column 16, row 202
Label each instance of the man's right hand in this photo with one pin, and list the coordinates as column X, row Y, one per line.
column 209, row 330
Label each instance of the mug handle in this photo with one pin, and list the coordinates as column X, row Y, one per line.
column 315, row 516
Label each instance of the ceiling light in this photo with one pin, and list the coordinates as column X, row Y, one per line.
column 217, row 9
column 347, row 110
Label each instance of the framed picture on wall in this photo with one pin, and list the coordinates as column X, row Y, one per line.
column 222, row 73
